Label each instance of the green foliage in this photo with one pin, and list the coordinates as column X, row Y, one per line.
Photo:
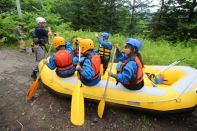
column 162, row 52
column 175, row 21
column 186, row 31
column 93, row 15
column 6, row 5
column 7, row 25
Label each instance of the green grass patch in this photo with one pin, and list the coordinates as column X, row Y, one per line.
column 160, row 52
column 9, row 46
column 163, row 53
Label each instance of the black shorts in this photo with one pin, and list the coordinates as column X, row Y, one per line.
column 134, row 86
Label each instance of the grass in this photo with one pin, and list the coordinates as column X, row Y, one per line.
column 146, row 124
column 9, row 46
column 163, row 53
column 158, row 52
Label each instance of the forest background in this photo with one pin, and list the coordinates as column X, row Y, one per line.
column 167, row 34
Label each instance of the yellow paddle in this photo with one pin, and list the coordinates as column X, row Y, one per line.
column 101, row 105
column 34, row 86
column 77, row 105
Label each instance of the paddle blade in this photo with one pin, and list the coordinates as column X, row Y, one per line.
column 77, row 106
column 32, row 90
column 101, row 107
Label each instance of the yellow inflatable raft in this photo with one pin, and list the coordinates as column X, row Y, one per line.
column 178, row 91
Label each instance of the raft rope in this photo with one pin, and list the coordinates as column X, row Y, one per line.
column 177, row 99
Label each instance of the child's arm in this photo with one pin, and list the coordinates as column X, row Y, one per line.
column 86, row 70
column 105, row 44
column 68, row 47
column 126, row 74
column 51, row 63
column 119, row 55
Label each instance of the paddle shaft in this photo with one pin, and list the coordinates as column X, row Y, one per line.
column 79, row 59
column 77, row 104
column 171, row 65
column 79, row 53
column 112, row 62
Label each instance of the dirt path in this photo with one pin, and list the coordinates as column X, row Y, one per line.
column 49, row 112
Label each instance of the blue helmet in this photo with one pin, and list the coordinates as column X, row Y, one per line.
column 134, row 42
column 106, row 35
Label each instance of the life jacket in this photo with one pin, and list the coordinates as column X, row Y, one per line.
column 40, row 37
column 63, row 60
column 137, row 78
column 96, row 63
column 104, row 51
column 76, row 52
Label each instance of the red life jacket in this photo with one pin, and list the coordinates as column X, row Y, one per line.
column 138, row 77
column 63, row 60
column 96, row 63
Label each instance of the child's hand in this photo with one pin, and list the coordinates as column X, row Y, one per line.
column 96, row 34
column 78, row 66
column 45, row 61
column 110, row 73
column 49, row 31
column 116, row 46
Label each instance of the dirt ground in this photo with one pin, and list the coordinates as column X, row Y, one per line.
column 50, row 112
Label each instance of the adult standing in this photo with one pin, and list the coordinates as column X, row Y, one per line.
column 40, row 38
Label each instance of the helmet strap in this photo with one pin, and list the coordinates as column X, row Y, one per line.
column 104, row 39
column 60, row 47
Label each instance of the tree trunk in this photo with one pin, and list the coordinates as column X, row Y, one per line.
column 133, row 9
column 161, row 10
column 191, row 11
column 18, row 8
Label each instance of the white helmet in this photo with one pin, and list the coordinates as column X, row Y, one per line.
column 40, row 19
